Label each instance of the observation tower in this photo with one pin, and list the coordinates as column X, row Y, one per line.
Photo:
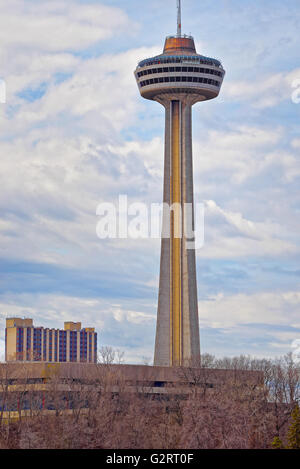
column 177, row 79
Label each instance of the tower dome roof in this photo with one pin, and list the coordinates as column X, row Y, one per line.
column 179, row 45
column 178, row 49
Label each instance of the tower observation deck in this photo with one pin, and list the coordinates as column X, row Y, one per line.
column 177, row 79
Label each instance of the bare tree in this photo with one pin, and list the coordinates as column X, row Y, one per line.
column 100, row 406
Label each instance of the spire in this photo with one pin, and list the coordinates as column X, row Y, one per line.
column 178, row 18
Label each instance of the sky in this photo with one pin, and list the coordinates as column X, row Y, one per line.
column 74, row 132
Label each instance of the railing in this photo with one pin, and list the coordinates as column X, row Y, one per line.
column 179, row 59
column 179, row 36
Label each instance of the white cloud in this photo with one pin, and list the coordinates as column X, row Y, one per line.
column 95, row 90
column 51, row 188
column 264, row 92
column 242, row 151
column 134, row 317
column 296, row 143
column 273, row 308
column 244, row 227
column 57, row 26
column 229, row 234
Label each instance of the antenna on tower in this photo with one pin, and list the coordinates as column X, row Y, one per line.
column 178, row 18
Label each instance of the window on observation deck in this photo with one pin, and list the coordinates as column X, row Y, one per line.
column 183, row 79
column 180, row 59
column 207, row 71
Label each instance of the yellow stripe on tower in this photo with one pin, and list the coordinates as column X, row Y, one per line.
column 175, row 239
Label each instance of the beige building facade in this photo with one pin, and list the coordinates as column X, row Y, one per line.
column 24, row 342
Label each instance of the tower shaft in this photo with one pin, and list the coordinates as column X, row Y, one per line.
column 177, row 79
column 177, row 331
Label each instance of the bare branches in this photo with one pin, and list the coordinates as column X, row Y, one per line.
column 108, row 355
column 107, row 405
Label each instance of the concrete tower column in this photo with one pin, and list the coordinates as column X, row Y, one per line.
column 177, row 332
column 177, row 79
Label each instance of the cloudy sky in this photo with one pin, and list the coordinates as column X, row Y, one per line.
column 74, row 132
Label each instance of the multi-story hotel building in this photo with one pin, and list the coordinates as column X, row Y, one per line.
column 24, row 342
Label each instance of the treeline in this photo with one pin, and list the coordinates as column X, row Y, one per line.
column 238, row 413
